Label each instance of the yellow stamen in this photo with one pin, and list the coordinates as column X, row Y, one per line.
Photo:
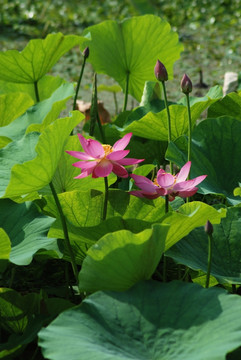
column 107, row 149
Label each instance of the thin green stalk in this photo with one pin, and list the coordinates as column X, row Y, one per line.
column 79, row 81
column 210, row 238
column 102, row 134
column 189, row 128
column 168, row 119
column 36, row 91
column 189, row 135
column 126, row 91
column 105, row 199
column 116, row 103
column 65, row 230
column 163, row 256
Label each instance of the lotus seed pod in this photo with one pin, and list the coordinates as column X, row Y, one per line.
column 160, row 71
column 186, row 84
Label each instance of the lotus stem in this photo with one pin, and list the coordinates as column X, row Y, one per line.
column 36, row 91
column 78, row 84
column 126, row 91
column 116, row 103
column 209, row 259
column 65, row 230
column 168, row 119
column 105, row 198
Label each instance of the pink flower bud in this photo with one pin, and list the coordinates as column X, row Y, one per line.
column 160, row 71
column 186, row 84
column 86, row 52
column 208, row 228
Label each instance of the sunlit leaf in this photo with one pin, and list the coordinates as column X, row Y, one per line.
column 12, row 106
column 121, row 259
column 132, row 46
column 34, row 167
column 154, row 125
column 36, row 59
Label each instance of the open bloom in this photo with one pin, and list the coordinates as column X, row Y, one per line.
column 167, row 184
column 100, row 160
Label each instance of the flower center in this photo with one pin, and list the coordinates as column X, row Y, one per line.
column 155, row 182
column 107, row 149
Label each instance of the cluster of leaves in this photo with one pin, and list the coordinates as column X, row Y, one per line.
column 125, row 309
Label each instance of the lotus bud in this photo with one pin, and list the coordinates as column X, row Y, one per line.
column 186, row 84
column 208, row 228
column 160, row 71
column 86, row 52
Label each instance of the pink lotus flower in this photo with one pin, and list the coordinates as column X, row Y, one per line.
column 100, row 160
column 167, row 184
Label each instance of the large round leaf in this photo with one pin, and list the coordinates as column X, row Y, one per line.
column 133, row 46
column 36, row 59
column 216, row 150
column 226, row 256
column 121, row 259
column 150, row 321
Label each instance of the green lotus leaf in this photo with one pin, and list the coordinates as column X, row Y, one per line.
column 154, row 125
column 121, row 259
column 39, row 115
column 215, row 152
column 152, row 320
column 46, row 86
column 27, row 230
column 226, row 265
column 82, row 238
column 84, row 208
column 188, row 217
column 35, row 166
column 12, row 106
column 36, row 59
column 230, row 105
column 109, row 88
column 5, row 246
column 132, row 47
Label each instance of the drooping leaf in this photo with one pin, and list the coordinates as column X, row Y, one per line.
column 215, row 152
column 12, row 106
column 121, row 259
column 226, row 254
column 36, row 59
column 188, row 217
column 41, row 114
column 82, row 238
column 35, row 172
column 27, row 230
column 118, row 48
column 152, row 320
column 154, row 125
